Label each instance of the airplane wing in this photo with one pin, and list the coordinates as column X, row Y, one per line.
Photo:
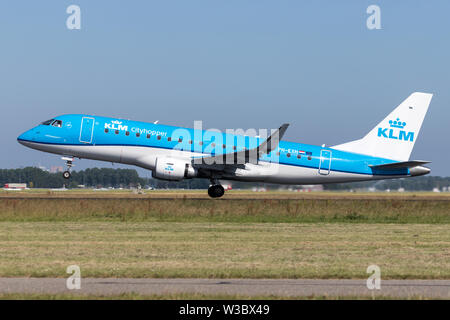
column 244, row 156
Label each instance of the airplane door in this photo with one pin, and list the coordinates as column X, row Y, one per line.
column 87, row 129
column 325, row 162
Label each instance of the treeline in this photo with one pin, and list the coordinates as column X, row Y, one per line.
column 125, row 178
column 95, row 177
column 92, row 178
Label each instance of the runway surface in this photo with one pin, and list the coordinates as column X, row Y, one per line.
column 246, row 287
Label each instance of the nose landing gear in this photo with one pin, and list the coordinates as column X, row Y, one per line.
column 69, row 163
column 215, row 190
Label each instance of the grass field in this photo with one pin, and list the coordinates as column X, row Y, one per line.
column 231, row 210
column 245, row 235
column 224, row 250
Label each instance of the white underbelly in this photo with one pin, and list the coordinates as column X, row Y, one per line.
column 145, row 157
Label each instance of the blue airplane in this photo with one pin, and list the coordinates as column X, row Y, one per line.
column 176, row 153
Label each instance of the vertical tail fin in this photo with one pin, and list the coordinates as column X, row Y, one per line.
column 394, row 137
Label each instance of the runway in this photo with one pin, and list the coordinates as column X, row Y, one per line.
column 244, row 287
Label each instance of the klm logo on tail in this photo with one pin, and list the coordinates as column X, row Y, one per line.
column 396, row 131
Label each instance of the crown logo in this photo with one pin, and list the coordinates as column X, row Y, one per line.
column 397, row 123
column 116, row 122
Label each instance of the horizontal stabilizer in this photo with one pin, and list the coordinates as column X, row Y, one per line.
column 399, row 165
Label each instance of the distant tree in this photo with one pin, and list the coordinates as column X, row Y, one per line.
column 109, row 177
column 92, row 177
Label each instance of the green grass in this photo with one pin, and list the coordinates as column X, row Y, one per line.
column 232, row 210
column 313, row 236
column 224, row 250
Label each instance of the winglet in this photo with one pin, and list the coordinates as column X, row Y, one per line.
column 245, row 156
column 273, row 140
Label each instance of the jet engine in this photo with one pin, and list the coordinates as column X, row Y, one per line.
column 173, row 169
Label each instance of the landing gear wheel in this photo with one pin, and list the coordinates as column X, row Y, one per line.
column 66, row 174
column 216, row 191
column 69, row 163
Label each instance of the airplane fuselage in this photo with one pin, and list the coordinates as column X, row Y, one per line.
column 142, row 144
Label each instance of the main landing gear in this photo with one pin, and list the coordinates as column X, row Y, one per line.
column 215, row 190
column 69, row 163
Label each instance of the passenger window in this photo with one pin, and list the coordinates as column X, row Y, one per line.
column 148, row 135
column 106, row 130
column 158, row 137
column 224, row 146
column 169, row 139
column 288, row 155
column 200, row 143
column 180, row 139
column 299, row 156
column 138, row 134
column 127, row 133
column 213, row 144
column 234, row 147
column 116, row 132
column 190, row 141
column 278, row 153
column 57, row 123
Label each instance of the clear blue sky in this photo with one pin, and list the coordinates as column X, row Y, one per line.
column 232, row 64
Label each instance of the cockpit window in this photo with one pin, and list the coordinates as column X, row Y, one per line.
column 57, row 123
column 46, row 123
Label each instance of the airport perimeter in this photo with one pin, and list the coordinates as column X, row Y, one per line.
column 184, row 237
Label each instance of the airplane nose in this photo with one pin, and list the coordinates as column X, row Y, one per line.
column 24, row 137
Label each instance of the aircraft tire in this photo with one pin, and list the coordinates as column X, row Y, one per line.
column 66, row 174
column 216, row 191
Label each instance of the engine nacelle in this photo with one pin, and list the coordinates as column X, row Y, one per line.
column 173, row 169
